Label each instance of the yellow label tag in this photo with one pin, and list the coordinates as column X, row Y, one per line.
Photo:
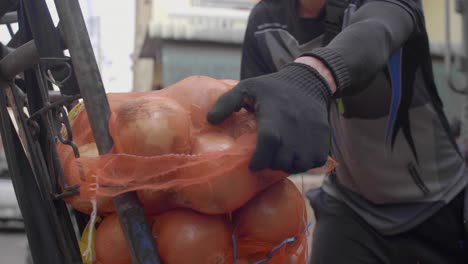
column 76, row 110
column 341, row 107
column 88, row 257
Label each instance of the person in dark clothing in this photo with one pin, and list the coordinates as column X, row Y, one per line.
column 455, row 127
column 365, row 93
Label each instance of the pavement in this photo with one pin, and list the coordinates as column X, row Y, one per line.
column 13, row 245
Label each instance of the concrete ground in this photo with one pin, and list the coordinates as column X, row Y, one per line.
column 13, row 246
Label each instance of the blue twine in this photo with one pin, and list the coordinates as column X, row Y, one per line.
column 307, row 227
column 270, row 255
column 234, row 245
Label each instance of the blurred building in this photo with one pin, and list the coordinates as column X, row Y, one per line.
column 434, row 11
column 435, row 14
column 143, row 67
column 178, row 38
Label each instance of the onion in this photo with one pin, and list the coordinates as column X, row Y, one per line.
column 225, row 192
column 111, row 246
column 156, row 201
column 196, row 92
column 74, row 166
column 151, row 126
column 298, row 256
column 230, row 82
column 217, row 195
column 273, row 215
column 185, row 236
column 212, row 142
column 230, row 190
column 88, row 151
column 75, row 174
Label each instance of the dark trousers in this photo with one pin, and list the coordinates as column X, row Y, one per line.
column 342, row 237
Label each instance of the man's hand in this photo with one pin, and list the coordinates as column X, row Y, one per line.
column 291, row 107
column 320, row 68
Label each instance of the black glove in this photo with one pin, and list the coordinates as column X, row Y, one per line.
column 291, row 108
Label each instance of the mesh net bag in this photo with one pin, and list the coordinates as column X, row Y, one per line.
column 270, row 228
column 166, row 151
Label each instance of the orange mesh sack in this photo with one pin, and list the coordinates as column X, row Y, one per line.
column 185, row 236
column 166, row 151
column 111, row 246
column 181, row 236
column 271, row 228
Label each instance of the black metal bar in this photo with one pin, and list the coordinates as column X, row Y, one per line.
column 133, row 222
column 40, row 27
column 51, row 171
column 24, row 57
column 36, row 22
column 10, row 30
column 55, row 210
column 9, row 18
column 20, row 59
column 86, row 70
column 128, row 208
column 7, row 6
column 55, row 225
column 40, row 232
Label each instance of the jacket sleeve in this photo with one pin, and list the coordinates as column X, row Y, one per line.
column 252, row 63
column 363, row 48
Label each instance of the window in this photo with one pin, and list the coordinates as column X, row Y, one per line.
column 240, row 4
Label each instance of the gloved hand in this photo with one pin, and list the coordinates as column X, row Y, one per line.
column 291, row 108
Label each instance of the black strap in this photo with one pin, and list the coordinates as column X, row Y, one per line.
column 8, row 6
column 40, row 27
column 335, row 15
column 334, row 19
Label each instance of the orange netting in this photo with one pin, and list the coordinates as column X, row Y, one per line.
column 166, row 151
column 270, row 228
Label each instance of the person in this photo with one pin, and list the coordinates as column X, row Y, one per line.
column 363, row 91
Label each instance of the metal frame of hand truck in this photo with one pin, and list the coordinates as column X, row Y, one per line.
column 32, row 114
